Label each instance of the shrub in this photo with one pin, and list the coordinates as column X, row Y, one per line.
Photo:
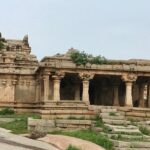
column 7, row 111
column 81, row 58
column 144, row 130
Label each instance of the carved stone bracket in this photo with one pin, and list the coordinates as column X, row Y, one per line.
column 86, row 76
column 129, row 77
column 58, row 75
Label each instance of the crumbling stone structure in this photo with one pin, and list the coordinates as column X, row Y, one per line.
column 26, row 82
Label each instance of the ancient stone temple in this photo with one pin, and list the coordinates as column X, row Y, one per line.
column 27, row 83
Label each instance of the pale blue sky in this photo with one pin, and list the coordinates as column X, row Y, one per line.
column 117, row 29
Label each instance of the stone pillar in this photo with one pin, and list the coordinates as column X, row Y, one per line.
column 116, row 95
column 129, row 79
column 77, row 91
column 128, row 96
column 37, row 91
column 46, row 87
column 85, row 93
column 148, row 95
column 141, row 95
column 14, row 82
column 86, row 77
column 56, row 89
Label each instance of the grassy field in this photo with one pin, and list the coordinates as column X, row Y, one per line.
column 19, row 125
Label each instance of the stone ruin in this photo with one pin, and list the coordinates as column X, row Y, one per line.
column 29, row 84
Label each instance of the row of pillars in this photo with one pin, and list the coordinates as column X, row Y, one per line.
column 56, row 94
column 129, row 80
column 129, row 95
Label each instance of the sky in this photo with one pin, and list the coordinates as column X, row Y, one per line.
column 116, row 29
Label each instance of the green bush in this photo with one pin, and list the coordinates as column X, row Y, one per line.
column 70, row 147
column 7, row 111
column 79, row 58
column 82, row 58
column 144, row 130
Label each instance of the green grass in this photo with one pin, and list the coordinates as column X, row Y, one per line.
column 7, row 111
column 144, row 130
column 19, row 126
column 112, row 114
column 89, row 135
column 99, row 123
column 70, row 147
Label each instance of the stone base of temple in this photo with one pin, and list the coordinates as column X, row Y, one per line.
column 22, row 107
column 72, row 109
column 66, row 109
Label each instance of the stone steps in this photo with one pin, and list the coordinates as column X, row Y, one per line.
column 66, row 109
column 120, row 131
column 53, row 125
column 108, row 110
column 80, row 112
column 49, row 107
column 140, row 144
column 120, row 127
column 62, row 123
column 116, row 122
column 108, row 116
column 121, row 144
column 125, row 137
column 124, row 129
column 53, row 114
column 65, row 103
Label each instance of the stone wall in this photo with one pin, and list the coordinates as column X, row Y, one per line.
column 25, row 91
column 7, row 90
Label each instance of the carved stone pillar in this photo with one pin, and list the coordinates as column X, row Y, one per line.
column 85, row 81
column 85, row 94
column 148, row 94
column 56, row 89
column 46, row 86
column 141, row 95
column 128, row 97
column 14, row 82
column 129, row 79
column 37, row 91
column 57, row 79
